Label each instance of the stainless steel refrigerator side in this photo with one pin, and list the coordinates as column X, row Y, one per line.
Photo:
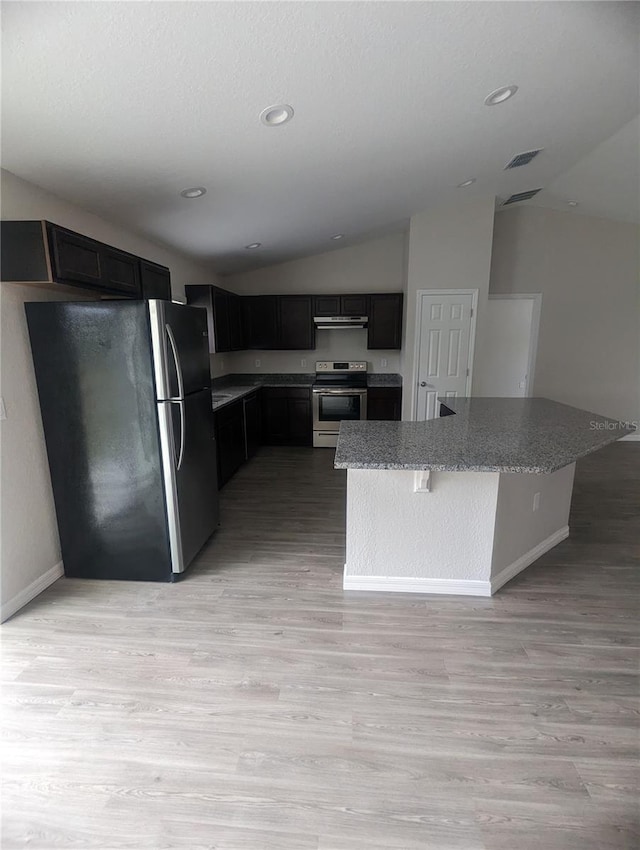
column 168, row 453
column 160, row 354
column 159, row 346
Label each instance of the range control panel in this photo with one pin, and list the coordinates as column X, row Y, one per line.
column 341, row 366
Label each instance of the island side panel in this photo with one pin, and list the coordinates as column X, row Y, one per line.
column 436, row 542
column 523, row 534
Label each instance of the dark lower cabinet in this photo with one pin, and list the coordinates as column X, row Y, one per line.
column 230, row 438
column 286, row 416
column 252, row 424
column 384, row 403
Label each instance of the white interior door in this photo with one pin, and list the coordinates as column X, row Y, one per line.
column 443, row 349
column 507, row 349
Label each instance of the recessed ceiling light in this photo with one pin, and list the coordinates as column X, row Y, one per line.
column 196, row 192
column 500, row 95
column 274, row 116
column 466, row 183
column 572, row 203
column 338, row 236
column 254, row 245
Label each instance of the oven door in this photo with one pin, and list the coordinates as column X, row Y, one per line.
column 332, row 406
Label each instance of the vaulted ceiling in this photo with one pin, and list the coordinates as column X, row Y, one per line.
column 118, row 106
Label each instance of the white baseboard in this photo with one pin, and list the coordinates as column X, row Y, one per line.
column 20, row 599
column 529, row 557
column 629, row 438
column 402, row 584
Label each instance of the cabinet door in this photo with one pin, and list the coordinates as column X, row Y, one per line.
column 251, row 424
column 295, row 326
column 385, row 321
column 221, row 326
column 354, row 305
column 300, row 421
column 384, row 403
column 76, row 258
column 236, row 326
column 121, row 272
column 326, row 305
column 155, row 280
column 275, row 417
column 260, row 321
column 230, row 439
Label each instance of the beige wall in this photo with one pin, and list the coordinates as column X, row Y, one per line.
column 449, row 248
column 374, row 266
column 587, row 270
column 29, row 547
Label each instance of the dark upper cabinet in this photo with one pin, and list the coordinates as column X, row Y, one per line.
column 76, row 258
column 155, row 281
column 295, row 322
column 42, row 252
column 326, row 305
column 224, row 316
column 222, row 329
column 384, row 403
column 121, row 272
column 354, row 305
column 340, row 305
column 236, row 323
column 260, row 313
column 385, row 321
column 286, row 416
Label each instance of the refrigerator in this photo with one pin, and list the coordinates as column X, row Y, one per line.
column 125, row 396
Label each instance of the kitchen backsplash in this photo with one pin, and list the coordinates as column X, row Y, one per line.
column 330, row 345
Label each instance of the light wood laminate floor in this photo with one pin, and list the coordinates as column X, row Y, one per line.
column 255, row 706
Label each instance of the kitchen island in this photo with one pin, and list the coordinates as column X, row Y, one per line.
column 463, row 503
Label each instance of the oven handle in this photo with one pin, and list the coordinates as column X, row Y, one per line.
column 325, row 391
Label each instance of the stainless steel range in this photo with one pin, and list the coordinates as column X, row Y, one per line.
column 339, row 392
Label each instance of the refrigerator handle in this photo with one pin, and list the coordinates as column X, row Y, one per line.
column 176, row 360
column 182, row 427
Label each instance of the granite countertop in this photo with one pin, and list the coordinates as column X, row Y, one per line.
column 230, row 388
column 526, row 435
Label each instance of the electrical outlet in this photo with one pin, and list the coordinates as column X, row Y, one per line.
column 257, row 362
column 3, row 409
column 536, row 501
column 222, row 362
column 384, row 362
column 303, row 362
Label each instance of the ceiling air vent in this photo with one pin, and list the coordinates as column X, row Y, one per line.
column 521, row 196
column 522, row 159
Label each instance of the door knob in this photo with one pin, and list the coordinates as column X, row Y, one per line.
column 425, row 384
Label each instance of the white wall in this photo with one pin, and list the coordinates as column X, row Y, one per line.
column 587, row 269
column 518, row 528
column 449, row 248
column 29, row 548
column 374, row 266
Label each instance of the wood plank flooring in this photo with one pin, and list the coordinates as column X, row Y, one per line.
column 255, row 706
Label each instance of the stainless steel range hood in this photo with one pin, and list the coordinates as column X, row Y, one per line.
column 329, row 323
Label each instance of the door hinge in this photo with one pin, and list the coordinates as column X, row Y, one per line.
column 467, row 373
column 471, row 312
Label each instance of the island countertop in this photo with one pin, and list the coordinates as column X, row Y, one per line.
column 521, row 435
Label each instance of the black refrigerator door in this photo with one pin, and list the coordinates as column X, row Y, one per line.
column 189, row 458
column 180, row 349
column 95, row 382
